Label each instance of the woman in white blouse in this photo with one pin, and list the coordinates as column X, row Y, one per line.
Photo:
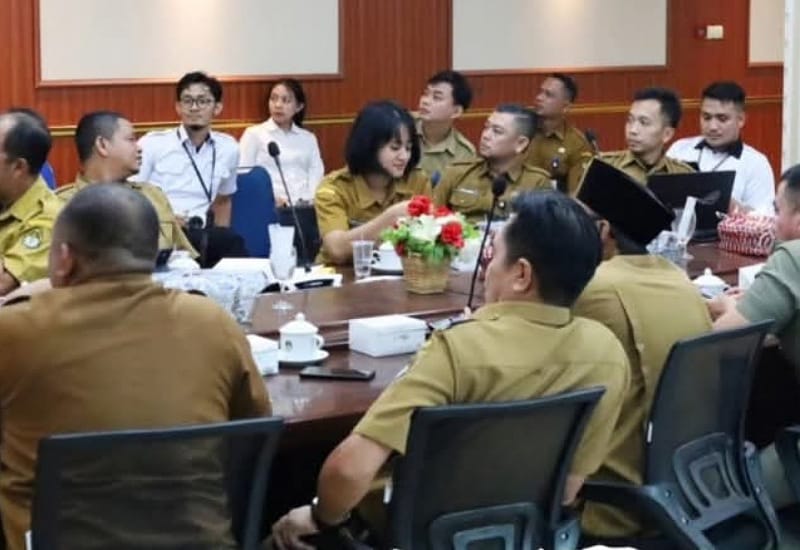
column 299, row 150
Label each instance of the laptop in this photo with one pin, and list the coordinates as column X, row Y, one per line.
column 712, row 190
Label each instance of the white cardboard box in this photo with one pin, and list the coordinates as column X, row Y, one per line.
column 386, row 335
column 748, row 274
column 265, row 354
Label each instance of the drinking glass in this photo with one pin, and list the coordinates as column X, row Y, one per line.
column 283, row 263
column 683, row 239
column 282, row 258
column 362, row 258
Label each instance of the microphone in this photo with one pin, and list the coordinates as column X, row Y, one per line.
column 275, row 152
column 591, row 137
column 499, row 185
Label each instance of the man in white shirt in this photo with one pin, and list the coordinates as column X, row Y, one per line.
column 196, row 168
column 720, row 147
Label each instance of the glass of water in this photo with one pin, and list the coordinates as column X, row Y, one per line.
column 283, row 263
column 362, row 258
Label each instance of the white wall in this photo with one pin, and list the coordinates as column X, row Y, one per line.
column 162, row 39
column 546, row 34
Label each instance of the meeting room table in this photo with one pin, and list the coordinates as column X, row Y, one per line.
column 320, row 413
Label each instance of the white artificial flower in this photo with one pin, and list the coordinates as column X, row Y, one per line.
column 425, row 229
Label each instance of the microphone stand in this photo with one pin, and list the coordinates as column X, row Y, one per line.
column 498, row 188
column 303, row 248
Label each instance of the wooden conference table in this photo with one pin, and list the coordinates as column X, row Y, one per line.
column 320, row 413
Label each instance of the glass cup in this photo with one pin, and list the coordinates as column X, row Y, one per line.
column 362, row 258
column 282, row 258
column 683, row 239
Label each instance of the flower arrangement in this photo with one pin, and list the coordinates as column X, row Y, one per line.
column 434, row 233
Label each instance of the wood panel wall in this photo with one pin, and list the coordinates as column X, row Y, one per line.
column 390, row 47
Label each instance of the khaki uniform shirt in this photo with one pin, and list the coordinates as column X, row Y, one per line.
column 625, row 161
column 117, row 353
column 170, row 233
column 562, row 154
column 26, row 229
column 509, row 351
column 649, row 304
column 437, row 157
column 344, row 201
column 775, row 294
column 466, row 187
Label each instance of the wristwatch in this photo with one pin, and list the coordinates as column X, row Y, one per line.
column 320, row 523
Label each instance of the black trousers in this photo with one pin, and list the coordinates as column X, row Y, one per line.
column 214, row 243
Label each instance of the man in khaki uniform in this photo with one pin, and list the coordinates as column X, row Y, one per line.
column 108, row 152
column 466, row 186
column 109, row 349
column 557, row 147
column 652, row 120
column 28, row 208
column 527, row 306
column 446, row 97
column 649, row 304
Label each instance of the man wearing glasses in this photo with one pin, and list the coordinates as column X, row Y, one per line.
column 196, row 168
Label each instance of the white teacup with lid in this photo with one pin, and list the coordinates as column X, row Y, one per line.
column 300, row 340
column 709, row 284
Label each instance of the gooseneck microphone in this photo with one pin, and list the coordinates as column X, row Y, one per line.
column 591, row 137
column 499, row 185
column 275, row 152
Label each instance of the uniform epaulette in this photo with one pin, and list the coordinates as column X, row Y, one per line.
column 533, row 168
column 63, row 189
column 612, row 154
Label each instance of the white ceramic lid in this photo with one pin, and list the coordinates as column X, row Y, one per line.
column 299, row 326
column 709, row 279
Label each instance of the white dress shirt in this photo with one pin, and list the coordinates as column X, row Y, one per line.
column 754, row 183
column 300, row 158
column 167, row 157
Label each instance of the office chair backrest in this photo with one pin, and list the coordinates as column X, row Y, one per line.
column 193, row 486
column 253, row 209
column 478, row 473
column 695, row 445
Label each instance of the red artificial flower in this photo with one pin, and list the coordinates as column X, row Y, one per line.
column 420, row 204
column 442, row 211
column 453, row 234
column 400, row 249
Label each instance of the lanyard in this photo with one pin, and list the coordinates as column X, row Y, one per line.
column 714, row 169
column 207, row 189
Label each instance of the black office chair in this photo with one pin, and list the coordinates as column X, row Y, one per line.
column 702, row 486
column 787, row 444
column 489, row 475
column 186, row 487
column 307, row 218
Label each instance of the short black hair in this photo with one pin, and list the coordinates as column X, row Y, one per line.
column 526, row 120
column 559, row 239
column 462, row 91
column 668, row 100
column 726, row 91
column 377, row 124
column 792, row 178
column 112, row 227
column 199, row 77
column 299, row 94
column 92, row 126
column 569, row 85
column 27, row 138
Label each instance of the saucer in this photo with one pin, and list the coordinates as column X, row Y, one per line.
column 389, row 270
column 318, row 357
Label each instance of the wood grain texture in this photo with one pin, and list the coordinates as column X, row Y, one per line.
column 389, row 49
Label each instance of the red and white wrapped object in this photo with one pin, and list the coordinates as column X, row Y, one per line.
column 748, row 234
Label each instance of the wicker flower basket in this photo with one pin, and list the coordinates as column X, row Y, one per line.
column 424, row 277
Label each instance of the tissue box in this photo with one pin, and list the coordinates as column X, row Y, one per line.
column 747, row 274
column 265, row 354
column 386, row 335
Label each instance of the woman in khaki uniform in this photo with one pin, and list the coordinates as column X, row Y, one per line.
column 372, row 192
